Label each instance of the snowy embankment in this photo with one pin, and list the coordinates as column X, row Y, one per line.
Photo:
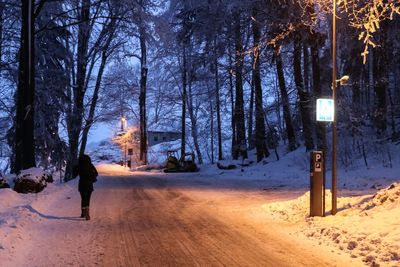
column 367, row 227
column 367, row 224
column 19, row 213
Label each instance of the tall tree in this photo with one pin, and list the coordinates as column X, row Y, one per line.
column 217, row 101
column 75, row 118
column 192, row 105
column 143, row 82
column 184, row 97
column 380, row 76
column 51, row 59
column 316, row 40
column 240, row 145
column 260, row 142
column 2, row 8
column 285, row 101
column 24, row 123
column 106, row 50
column 304, row 97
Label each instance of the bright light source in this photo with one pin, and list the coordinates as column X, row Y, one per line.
column 123, row 123
column 325, row 109
column 343, row 80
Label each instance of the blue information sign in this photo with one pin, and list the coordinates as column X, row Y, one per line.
column 325, row 109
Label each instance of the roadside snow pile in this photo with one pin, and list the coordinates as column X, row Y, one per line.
column 10, row 217
column 149, row 167
column 366, row 227
column 388, row 198
column 9, row 198
column 18, row 211
column 291, row 210
column 32, row 180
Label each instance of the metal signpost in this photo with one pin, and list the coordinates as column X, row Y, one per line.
column 334, row 128
column 317, row 184
column 130, row 153
column 325, row 113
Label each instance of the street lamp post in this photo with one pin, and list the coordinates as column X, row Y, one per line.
column 123, row 123
column 334, row 98
column 123, row 128
column 125, row 162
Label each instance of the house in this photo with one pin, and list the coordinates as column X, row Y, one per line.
column 157, row 137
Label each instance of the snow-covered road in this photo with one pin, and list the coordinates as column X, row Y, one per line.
column 161, row 220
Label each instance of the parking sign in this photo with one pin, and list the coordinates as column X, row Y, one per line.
column 325, row 109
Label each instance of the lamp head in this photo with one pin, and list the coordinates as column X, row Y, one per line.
column 343, row 80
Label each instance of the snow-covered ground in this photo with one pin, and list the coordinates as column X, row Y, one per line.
column 367, row 225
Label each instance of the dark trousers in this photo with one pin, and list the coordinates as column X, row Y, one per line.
column 85, row 196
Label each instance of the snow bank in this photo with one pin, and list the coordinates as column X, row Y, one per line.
column 366, row 227
column 149, row 167
column 9, row 198
column 34, row 174
column 17, row 211
column 32, row 180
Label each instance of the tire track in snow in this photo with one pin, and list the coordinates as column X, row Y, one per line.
column 164, row 227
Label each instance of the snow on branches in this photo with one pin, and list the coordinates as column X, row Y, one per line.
column 364, row 15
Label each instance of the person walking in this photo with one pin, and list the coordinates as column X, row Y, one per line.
column 87, row 176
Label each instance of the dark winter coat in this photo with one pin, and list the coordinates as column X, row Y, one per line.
column 87, row 173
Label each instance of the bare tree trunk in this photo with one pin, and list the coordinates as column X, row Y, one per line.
column 193, row 121
column 184, row 96
column 75, row 119
column 217, row 103
column 250, row 136
column 305, row 102
column 316, row 80
column 233, row 120
column 285, row 102
column 261, row 145
column 90, row 119
column 143, row 89
column 380, row 88
column 104, row 56
column 240, row 146
column 193, row 118
column 392, row 115
column 24, row 124
column 212, row 127
column 2, row 6
column 306, row 66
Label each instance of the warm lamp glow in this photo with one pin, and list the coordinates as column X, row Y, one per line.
column 123, row 123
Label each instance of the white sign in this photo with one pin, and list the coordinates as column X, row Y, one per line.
column 317, row 167
column 318, row 157
column 325, row 109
